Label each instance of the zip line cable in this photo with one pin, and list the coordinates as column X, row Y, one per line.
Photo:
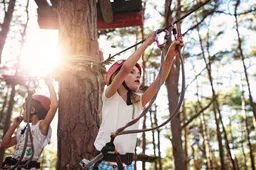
column 110, row 58
column 121, row 131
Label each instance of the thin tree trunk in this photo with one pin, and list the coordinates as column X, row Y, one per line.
column 233, row 141
column 234, row 167
column 247, row 131
column 3, row 107
column 187, row 158
column 7, row 120
column 244, row 66
column 158, row 140
column 244, row 163
column 216, row 114
column 206, row 144
column 253, row 166
column 6, row 26
column 80, row 83
column 153, row 135
column 144, row 142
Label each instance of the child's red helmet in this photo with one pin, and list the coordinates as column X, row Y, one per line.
column 115, row 67
column 44, row 101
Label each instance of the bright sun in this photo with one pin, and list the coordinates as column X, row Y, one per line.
column 40, row 53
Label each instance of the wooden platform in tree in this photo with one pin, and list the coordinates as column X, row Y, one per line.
column 145, row 158
column 116, row 14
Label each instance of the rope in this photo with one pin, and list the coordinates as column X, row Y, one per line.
column 120, row 130
column 111, row 58
column 174, row 113
column 28, row 106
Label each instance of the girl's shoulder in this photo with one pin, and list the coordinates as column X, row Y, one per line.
column 104, row 98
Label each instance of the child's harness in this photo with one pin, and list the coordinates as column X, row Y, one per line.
column 126, row 159
column 10, row 162
column 104, row 155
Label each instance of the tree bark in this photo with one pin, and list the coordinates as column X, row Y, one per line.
column 5, row 26
column 172, row 90
column 7, row 120
column 80, row 82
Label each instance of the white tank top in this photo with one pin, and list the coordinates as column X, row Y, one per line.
column 39, row 142
column 115, row 114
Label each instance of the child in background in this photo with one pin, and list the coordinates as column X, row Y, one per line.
column 42, row 112
column 121, row 104
column 196, row 136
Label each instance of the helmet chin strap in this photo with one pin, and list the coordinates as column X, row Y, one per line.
column 129, row 93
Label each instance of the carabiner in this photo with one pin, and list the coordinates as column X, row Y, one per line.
column 165, row 38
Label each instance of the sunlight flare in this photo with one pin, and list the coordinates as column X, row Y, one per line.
column 40, row 55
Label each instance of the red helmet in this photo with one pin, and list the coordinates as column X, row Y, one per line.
column 44, row 101
column 115, row 67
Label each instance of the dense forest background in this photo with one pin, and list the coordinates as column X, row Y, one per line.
column 219, row 58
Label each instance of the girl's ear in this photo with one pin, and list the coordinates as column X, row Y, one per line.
column 33, row 110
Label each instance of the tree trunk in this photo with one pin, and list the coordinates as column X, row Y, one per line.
column 250, row 146
column 7, row 120
column 206, row 144
column 253, row 167
column 80, row 83
column 172, row 90
column 144, row 141
column 240, row 50
column 5, row 100
column 5, row 26
column 185, row 136
column 159, row 145
column 152, row 113
column 215, row 104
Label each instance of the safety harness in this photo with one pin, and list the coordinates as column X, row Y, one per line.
column 109, row 154
column 9, row 163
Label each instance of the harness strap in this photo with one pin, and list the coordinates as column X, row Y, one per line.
column 9, row 161
column 119, row 159
column 119, row 162
column 96, row 165
column 126, row 159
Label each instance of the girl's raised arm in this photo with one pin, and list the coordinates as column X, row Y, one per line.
column 128, row 66
column 172, row 52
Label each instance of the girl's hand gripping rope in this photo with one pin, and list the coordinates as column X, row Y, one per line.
column 86, row 164
column 151, row 38
column 177, row 35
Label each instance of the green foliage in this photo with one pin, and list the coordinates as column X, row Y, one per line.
column 252, row 52
column 168, row 159
column 49, row 158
